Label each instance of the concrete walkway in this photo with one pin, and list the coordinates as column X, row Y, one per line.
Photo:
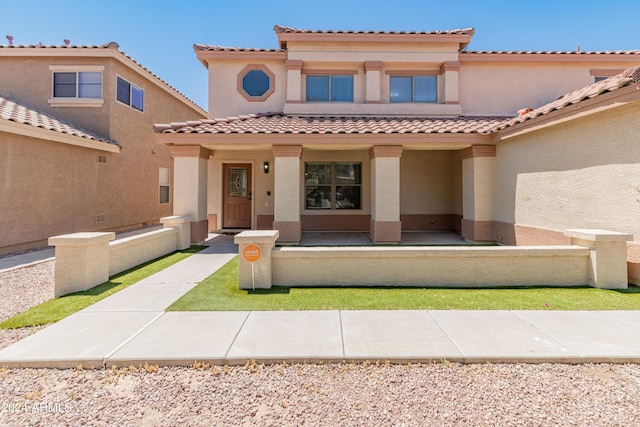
column 131, row 327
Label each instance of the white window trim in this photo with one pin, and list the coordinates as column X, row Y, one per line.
column 131, row 86
column 77, row 102
column 162, row 171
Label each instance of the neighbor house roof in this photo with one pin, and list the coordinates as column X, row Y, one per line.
column 612, row 84
column 281, row 29
column 46, row 126
column 80, row 50
column 278, row 123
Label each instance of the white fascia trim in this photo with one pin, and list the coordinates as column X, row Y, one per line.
column 51, row 135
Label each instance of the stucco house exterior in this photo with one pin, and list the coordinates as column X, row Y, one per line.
column 77, row 148
column 388, row 132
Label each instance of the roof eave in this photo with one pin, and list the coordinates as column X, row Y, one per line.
column 462, row 39
column 615, row 99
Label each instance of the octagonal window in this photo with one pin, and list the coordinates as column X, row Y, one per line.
column 256, row 82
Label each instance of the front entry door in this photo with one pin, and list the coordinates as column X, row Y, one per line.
column 237, row 196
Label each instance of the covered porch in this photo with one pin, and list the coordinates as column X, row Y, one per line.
column 382, row 177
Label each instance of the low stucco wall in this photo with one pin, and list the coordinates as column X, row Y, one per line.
column 135, row 250
column 431, row 266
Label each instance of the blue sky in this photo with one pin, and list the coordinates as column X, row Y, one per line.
column 160, row 34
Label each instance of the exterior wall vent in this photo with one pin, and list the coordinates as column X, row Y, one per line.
column 102, row 159
column 101, row 219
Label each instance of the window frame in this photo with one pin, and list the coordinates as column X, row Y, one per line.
column 131, row 89
column 164, row 183
column 330, row 75
column 333, row 186
column 413, row 77
column 76, row 100
column 257, row 67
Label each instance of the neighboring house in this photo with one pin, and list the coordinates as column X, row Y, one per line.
column 388, row 132
column 77, row 149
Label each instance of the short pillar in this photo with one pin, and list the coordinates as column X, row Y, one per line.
column 183, row 225
column 82, row 261
column 607, row 256
column 260, row 277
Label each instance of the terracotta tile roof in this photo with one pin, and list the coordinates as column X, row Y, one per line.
column 205, row 47
column 619, row 81
column 277, row 123
column 15, row 112
column 290, row 30
column 110, row 45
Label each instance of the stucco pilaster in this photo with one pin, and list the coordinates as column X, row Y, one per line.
column 478, row 175
column 450, row 71
column 287, row 183
column 190, row 187
column 294, row 81
column 385, row 193
column 373, row 71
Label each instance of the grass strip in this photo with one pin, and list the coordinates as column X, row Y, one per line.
column 61, row 307
column 219, row 292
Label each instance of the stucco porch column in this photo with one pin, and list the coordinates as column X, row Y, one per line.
column 478, row 172
column 190, row 187
column 287, row 183
column 385, row 194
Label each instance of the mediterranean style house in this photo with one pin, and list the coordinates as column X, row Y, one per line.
column 387, row 132
column 77, row 148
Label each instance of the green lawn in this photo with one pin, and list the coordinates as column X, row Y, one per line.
column 59, row 308
column 219, row 292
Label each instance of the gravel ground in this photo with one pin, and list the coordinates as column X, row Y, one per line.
column 345, row 394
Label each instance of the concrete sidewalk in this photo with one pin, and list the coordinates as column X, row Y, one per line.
column 131, row 327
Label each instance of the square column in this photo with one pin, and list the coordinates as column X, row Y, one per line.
column 478, row 172
column 287, row 183
column 607, row 256
column 82, row 261
column 372, row 70
column 190, row 165
column 450, row 72
column 294, row 81
column 385, row 194
column 254, row 265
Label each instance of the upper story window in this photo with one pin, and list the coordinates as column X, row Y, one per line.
column 333, row 88
column 77, row 84
column 129, row 94
column 413, row 88
column 256, row 83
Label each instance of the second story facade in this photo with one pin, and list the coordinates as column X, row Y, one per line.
column 347, row 73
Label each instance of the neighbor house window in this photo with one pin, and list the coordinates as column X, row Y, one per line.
column 333, row 185
column 413, row 89
column 77, row 84
column 334, row 88
column 129, row 94
column 165, row 184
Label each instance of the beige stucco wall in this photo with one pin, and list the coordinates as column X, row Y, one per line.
column 224, row 98
column 61, row 189
column 427, row 182
column 503, row 88
column 583, row 174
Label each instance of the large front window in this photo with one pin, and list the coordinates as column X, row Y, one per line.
column 335, row 88
column 333, row 185
column 413, row 89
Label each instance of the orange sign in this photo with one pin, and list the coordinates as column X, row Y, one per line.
column 252, row 252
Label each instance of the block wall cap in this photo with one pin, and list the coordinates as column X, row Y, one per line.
column 176, row 219
column 82, row 239
column 598, row 235
column 257, row 236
